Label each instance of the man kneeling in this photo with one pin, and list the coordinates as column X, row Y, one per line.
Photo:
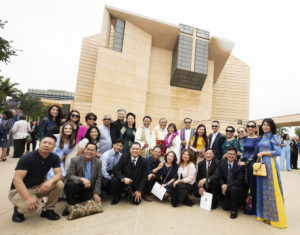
column 29, row 182
column 84, row 178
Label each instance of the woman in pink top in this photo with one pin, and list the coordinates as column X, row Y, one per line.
column 186, row 180
column 90, row 119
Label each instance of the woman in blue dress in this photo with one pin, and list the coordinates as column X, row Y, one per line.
column 285, row 153
column 64, row 144
column 269, row 194
column 250, row 147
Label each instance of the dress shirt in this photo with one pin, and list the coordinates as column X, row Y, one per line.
column 88, row 170
column 231, row 165
column 208, row 164
column 109, row 160
column 213, row 138
column 134, row 160
column 105, row 142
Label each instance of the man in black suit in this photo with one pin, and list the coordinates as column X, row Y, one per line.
column 208, row 176
column 216, row 139
column 231, row 180
column 116, row 126
column 294, row 153
column 130, row 176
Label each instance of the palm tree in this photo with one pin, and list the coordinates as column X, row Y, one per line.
column 281, row 130
column 7, row 89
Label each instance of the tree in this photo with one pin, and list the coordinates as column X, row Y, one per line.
column 281, row 130
column 31, row 106
column 6, row 50
column 297, row 131
column 7, row 89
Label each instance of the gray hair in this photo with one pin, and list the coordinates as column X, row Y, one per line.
column 106, row 115
column 163, row 119
column 121, row 110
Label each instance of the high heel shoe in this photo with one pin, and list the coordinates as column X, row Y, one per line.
column 3, row 159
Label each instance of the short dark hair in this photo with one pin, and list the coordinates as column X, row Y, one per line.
column 92, row 143
column 157, row 147
column 215, row 121
column 272, row 126
column 134, row 143
column 173, row 125
column 147, row 117
column 88, row 115
column 175, row 158
column 231, row 148
column 231, row 128
column 50, row 136
column 8, row 114
column 208, row 150
column 118, row 141
column 187, row 118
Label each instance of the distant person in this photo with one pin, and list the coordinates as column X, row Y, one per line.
column 50, row 125
column 294, row 153
column 74, row 118
column 158, row 135
column 90, row 120
column 285, row 153
column 186, row 133
column 34, row 133
column 143, row 136
column 5, row 127
column 199, row 143
column 172, row 140
column 29, row 183
column 216, row 139
column 19, row 131
column 128, row 132
column 116, row 126
column 105, row 142
column 230, row 141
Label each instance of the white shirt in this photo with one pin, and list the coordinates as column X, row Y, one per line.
column 213, row 138
column 139, row 133
column 176, row 146
column 187, row 137
column 157, row 134
column 134, row 159
column 208, row 164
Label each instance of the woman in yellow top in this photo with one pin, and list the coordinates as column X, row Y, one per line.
column 199, row 143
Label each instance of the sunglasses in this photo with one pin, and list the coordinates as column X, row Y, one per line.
column 213, row 126
column 93, row 119
column 240, row 132
column 106, row 119
column 75, row 115
column 250, row 126
column 231, row 131
column 187, row 122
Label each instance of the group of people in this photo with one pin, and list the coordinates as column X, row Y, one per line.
column 84, row 160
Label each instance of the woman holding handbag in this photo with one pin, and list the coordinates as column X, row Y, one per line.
column 269, row 195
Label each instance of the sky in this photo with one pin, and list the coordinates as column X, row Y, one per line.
column 266, row 36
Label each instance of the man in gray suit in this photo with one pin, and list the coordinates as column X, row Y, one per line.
column 84, row 177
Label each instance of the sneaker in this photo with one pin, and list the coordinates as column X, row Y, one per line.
column 49, row 214
column 17, row 217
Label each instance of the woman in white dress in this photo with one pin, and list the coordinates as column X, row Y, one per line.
column 172, row 140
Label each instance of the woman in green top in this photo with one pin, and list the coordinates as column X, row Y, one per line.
column 128, row 132
column 230, row 141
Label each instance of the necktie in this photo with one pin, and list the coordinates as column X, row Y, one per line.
column 229, row 175
column 133, row 162
column 207, row 174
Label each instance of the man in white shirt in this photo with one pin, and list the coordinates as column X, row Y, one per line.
column 158, row 135
column 105, row 142
column 143, row 136
column 186, row 133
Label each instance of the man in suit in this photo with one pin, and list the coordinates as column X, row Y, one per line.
column 116, row 126
column 208, row 176
column 294, row 153
column 84, row 177
column 231, row 180
column 216, row 139
column 130, row 176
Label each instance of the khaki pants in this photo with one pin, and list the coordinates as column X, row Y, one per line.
column 53, row 195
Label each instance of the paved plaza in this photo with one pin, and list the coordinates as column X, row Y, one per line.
column 149, row 217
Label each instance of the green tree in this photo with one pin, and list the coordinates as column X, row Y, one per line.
column 6, row 49
column 31, row 106
column 7, row 89
column 297, row 131
column 281, row 130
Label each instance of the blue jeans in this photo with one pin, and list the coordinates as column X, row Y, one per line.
column 285, row 154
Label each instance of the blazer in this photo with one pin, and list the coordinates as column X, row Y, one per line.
column 238, row 173
column 77, row 171
column 213, row 171
column 20, row 129
column 115, row 130
column 124, row 169
column 217, row 145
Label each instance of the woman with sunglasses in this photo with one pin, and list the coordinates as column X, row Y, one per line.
column 241, row 131
column 74, row 118
column 248, row 159
column 269, row 193
column 230, row 141
column 128, row 132
column 199, row 143
column 90, row 119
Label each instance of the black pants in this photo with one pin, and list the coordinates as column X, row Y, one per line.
column 232, row 199
column 77, row 193
column 150, row 183
column 214, row 189
column 117, row 187
column 294, row 159
column 33, row 142
column 181, row 191
column 19, row 147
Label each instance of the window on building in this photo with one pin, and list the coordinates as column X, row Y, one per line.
column 117, row 28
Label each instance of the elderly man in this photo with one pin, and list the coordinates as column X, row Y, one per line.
column 117, row 125
column 130, row 176
column 216, row 139
column 208, row 176
column 105, row 142
column 159, row 134
column 142, row 136
column 29, row 182
column 84, row 177
column 186, row 133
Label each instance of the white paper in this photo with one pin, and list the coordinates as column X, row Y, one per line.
column 206, row 201
column 158, row 191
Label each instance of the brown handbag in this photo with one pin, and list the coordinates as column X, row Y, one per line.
column 259, row 168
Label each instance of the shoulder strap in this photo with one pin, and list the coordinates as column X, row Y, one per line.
column 167, row 175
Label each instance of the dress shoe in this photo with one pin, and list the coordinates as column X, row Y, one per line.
column 49, row 214
column 233, row 214
column 65, row 212
column 17, row 217
column 115, row 200
column 188, row 202
column 148, row 198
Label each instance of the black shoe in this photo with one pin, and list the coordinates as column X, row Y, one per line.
column 115, row 200
column 233, row 214
column 65, row 212
column 49, row 214
column 17, row 217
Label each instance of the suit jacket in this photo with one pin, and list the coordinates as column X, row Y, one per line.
column 238, row 173
column 217, row 145
column 115, row 128
column 213, row 171
column 124, row 169
column 77, row 171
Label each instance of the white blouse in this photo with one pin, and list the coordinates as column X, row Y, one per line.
column 188, row 173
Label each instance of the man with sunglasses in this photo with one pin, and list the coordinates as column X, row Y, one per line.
column 105, row 142
column 216, row 139
column 186, row 133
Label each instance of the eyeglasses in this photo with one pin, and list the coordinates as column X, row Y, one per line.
column 231, row 131
column 213, row 126
column 240, row 132
column 187, row 122
column 93, row 119
column 250, row 126
column 106, row 119
column 75, row 115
